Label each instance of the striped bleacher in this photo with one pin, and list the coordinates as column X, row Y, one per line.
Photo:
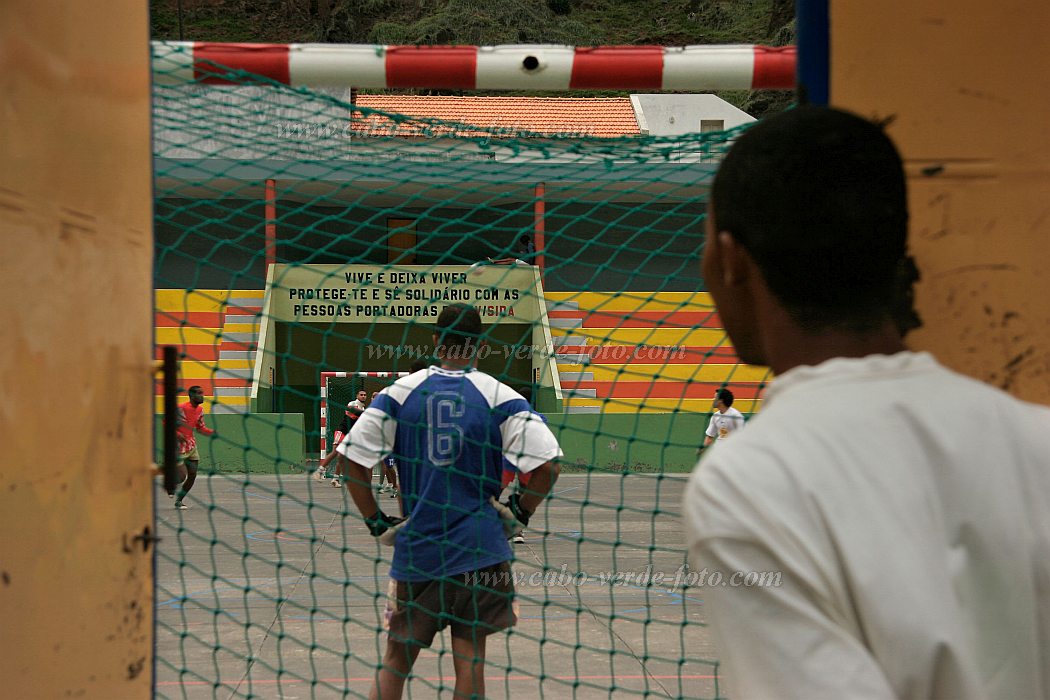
column 627, row 352
column 216, row 332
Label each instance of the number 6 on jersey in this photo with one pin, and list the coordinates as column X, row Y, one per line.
column 444, row 435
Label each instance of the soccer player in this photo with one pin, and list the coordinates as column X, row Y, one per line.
column 350, row 415
column 190, row 417
column 725, row 420
column 450, row 428
column 353, row 409
column 904, row 508
column 388, row 472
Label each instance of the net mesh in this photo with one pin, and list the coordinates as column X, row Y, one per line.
column 338, row 390
column 297, row 232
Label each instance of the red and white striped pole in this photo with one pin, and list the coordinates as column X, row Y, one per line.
column 525, row 67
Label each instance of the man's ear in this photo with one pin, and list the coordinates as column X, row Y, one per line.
column 734, row 259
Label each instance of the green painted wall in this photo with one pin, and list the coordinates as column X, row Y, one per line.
column 646, row 442
column 649, row 442
column 252, row 442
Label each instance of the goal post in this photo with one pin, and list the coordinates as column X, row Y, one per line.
column 338, row 389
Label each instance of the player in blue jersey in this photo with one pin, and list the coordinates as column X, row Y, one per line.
column 450, row 428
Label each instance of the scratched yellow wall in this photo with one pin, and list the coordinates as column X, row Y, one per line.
column 75, row 233
column 964, row 80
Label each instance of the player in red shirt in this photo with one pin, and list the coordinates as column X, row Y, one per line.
column 190, row 417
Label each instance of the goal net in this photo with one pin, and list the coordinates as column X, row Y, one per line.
column 302, row 230
column 338, row 389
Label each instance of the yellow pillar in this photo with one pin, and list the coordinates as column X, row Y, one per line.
column 76, row 599
column 963, row 83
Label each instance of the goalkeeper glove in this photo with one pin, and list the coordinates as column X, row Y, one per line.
column 511, row 513
column 384, row 527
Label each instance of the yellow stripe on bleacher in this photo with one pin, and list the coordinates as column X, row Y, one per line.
column 212, row 300
column 187, row 336
column 240, row 327
column 635, row 301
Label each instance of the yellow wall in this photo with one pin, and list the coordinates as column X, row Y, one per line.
column 75, row 596
column 964, row 80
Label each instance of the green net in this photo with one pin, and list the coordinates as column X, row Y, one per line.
column 298, row 234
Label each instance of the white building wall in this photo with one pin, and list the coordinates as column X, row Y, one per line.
column 675, row 115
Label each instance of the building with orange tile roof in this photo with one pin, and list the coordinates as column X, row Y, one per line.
column 507, row 117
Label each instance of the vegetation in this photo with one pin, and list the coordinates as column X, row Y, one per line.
column 574, row 22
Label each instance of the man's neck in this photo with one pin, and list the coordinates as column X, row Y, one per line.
column 456, row 365
column 794, row 348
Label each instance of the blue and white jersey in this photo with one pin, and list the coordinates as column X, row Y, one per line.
column 450, row 432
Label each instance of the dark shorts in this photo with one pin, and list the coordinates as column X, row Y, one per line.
column 473, row 605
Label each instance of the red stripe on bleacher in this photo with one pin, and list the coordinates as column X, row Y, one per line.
column 190, row 319
column 249, row 311
column 662, row 389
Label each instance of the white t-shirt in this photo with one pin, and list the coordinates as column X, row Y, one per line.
column 908, row 510
column 722, row 424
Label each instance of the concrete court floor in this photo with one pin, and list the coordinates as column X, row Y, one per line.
column 268, row 588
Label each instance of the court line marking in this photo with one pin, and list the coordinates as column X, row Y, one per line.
column 443, row 679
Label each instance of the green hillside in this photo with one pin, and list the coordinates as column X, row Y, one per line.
column 574, row 22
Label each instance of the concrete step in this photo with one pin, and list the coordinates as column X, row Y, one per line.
column 567, row 359
column 563, row 340
column 566, row 322
column 240, row 337
column 233, row 391
column 228, row 355
column 580, row 393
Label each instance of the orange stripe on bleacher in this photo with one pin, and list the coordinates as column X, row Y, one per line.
column 194, row 319
column 200, row 353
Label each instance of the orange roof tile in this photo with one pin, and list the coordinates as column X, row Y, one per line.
column 499, row 116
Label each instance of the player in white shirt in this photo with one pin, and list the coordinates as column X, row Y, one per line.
column 906, row 507
column 360, row 401
column 725, row 420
